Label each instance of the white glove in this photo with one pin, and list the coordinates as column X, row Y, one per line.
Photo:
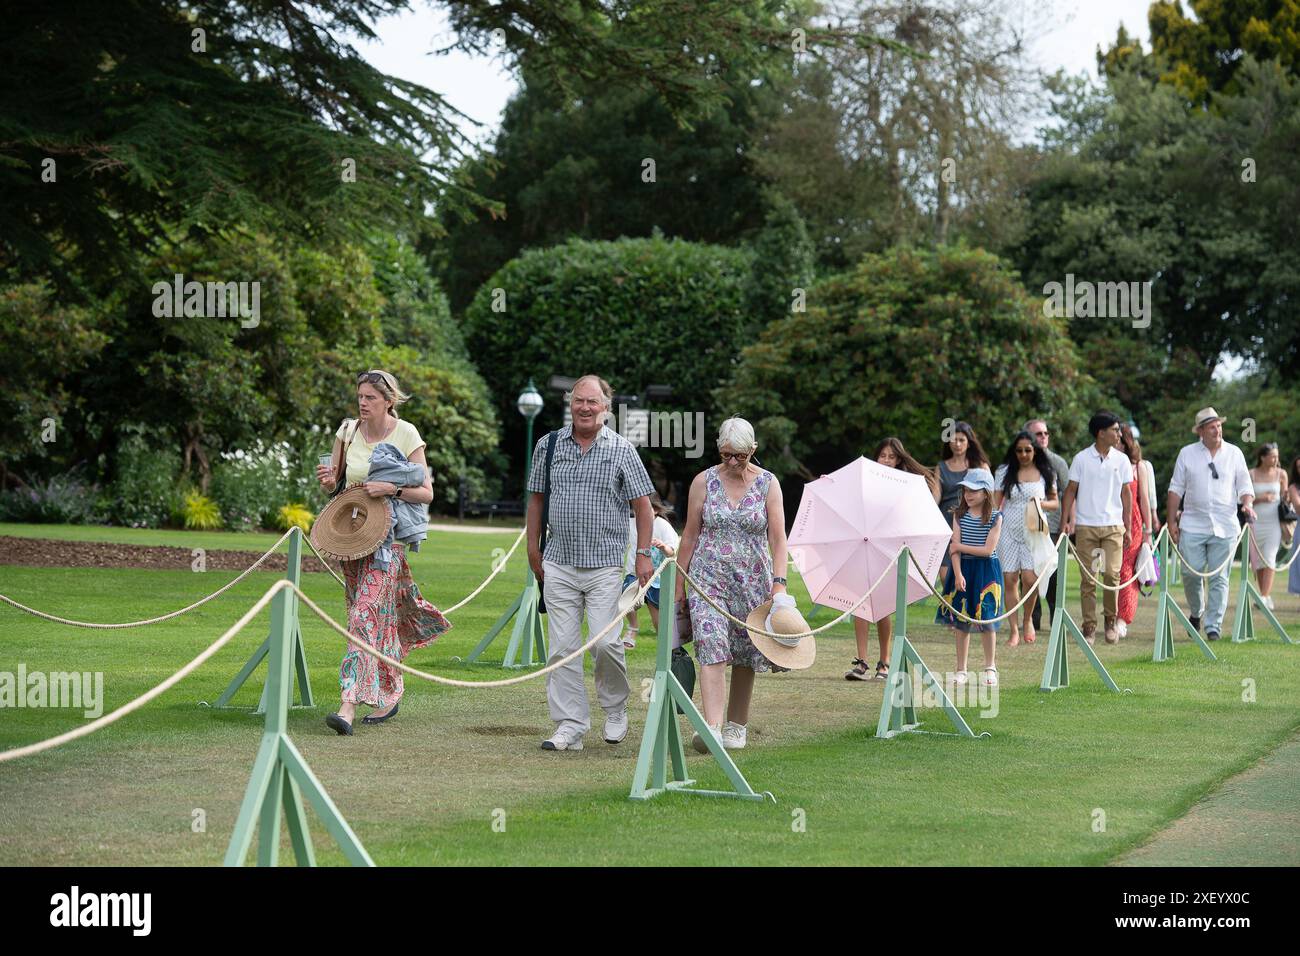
column 778, row 600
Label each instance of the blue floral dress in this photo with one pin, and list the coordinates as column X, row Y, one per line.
column 731, row 563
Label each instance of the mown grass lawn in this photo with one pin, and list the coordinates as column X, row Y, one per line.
column 427, row 787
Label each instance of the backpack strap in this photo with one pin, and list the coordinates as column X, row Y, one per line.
column 546, row 495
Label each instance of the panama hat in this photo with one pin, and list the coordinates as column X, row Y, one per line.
column 1207, row 415
column 627, row 601
column 353, row 525
column 794, row 653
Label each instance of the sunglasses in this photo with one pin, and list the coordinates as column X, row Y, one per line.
column 734, row 456
column 1024, row 451
column 373, row 378
column 1214, row 471
column 1040, row 434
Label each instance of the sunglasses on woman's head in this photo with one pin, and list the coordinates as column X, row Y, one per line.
column 373, row 377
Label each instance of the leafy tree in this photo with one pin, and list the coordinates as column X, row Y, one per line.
column 1202, row 55
column 1139, row 186
column 573, row 166
column 248, row 122
column 636, row 311
column 45, row 346
column 906, row 342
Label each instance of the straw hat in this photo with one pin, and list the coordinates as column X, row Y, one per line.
column 627, row 601
column 794, row 653
column 1207, row 415
column 352, row 525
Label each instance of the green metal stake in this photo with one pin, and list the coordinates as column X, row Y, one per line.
column 280, row 775
column 1165, row 606
column 293, row 573
column 1056, row 668
column 897, row 709
column 1249, row 598
column 527, row 636
column 661, row 761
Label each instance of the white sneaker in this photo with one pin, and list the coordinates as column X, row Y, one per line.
column 1268, row 602
column 563, row 740
column 1121, row 629
column 616, row 727
column 960, row 677
column 700, row 746
column 733, row 735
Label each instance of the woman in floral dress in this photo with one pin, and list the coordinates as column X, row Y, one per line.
column 385, row 608
column 735, row 515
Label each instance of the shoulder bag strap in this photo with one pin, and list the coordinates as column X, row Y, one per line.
column 341, row 479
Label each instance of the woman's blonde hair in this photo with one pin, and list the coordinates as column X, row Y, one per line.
column 388, row 388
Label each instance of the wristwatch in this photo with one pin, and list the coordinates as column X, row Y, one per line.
column 777, row 579
column 397, row 493
column 646, row 551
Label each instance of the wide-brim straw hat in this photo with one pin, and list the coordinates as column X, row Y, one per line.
column 787, row 620
column 352, row 526
column 627, row 601
column 1205, row 416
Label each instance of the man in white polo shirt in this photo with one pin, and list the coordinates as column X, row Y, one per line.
column 1100, row 519
column 1210, row 477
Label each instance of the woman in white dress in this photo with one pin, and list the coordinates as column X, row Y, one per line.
column 1270, row 488
column 1025, row 473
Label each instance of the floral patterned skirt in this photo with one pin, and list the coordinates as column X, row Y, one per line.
column 385, row 610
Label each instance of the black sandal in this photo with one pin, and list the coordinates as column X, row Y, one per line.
column 882, row 670
column 860, row 671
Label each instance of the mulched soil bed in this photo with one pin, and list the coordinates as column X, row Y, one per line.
column 41, row 553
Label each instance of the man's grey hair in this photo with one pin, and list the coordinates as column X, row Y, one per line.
column 606, row 390
column 738, row 435
column 1031, row 421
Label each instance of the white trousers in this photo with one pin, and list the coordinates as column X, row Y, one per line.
column 570, row 594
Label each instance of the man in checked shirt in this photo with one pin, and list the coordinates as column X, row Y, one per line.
column 595, row 474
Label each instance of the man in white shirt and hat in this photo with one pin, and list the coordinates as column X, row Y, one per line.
column 1210, row 477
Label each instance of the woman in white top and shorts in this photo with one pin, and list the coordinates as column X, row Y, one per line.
column 1025, row 473
column 1270, row 489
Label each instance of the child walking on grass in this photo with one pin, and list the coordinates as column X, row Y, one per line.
column 974, row 582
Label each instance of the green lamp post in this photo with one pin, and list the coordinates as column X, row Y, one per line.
column 526, row 638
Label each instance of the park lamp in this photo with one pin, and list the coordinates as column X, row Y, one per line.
column 529, row 402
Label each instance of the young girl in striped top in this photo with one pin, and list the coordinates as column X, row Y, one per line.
column 974, row 582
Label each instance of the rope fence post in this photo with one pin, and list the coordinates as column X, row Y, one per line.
column 898, row 706
column 1249, row 598
column 280, row 775
column 293, row 574
column 526, row 638
column 1056, row 668
column 661, row 761
column 1166, row 605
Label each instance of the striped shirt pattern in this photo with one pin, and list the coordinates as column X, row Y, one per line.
column 975, row 532
column 589, row 497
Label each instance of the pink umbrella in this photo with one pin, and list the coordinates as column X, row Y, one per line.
column 849, row 528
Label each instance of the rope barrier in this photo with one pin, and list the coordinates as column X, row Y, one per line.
column 1210, row 574
column 488, row 580
column 320, row 557
column 166, row 617
column 1083, row 568
column 802, row 634
column 1295, row 552
column 963, row 616
column 104, row 721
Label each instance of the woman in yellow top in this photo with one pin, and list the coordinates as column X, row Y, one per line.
column 385, row 608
